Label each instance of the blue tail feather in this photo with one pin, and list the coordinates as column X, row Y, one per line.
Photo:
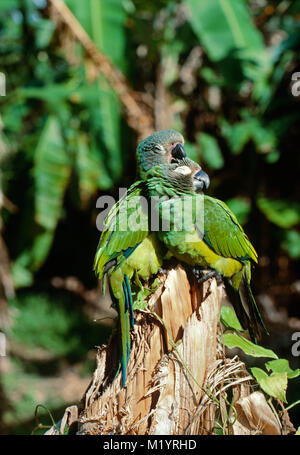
column 130, row 303
column 123, row 374
column 127, row 310
column 126, row 296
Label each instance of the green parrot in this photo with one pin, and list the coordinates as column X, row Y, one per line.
column 205, row 234
column 124, row 254
column 130, row 251
column 136, row 254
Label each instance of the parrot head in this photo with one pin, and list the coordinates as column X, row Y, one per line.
column 183, row 175
column 189, row 174
column 160, row 148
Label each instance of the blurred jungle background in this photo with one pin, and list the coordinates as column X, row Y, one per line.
column 79, row 95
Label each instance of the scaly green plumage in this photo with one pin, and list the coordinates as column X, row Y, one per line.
column 126, row 255
column 219, row 243
column 123, row 255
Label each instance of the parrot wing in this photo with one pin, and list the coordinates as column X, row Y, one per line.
column 223, row 233
column 125, row 227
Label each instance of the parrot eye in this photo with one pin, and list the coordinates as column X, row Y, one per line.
column 183, row 170
column 159, row 149
column 178, row 152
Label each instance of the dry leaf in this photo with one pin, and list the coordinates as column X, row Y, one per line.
column 254, row 416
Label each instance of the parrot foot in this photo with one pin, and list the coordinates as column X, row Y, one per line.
column 202, row 277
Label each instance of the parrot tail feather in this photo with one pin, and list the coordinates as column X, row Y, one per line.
column 235, row 300
column 125, row 310
column 248, row 300
column 126, row 320
column 123, row 321
column 245, row 308
column 128, row 298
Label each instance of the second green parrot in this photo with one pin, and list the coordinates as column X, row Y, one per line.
column 202, row 231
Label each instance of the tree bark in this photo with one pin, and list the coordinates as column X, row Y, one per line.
column 178, row 376
column 162, row 388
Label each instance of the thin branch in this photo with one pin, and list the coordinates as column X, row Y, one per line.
column 137, row 116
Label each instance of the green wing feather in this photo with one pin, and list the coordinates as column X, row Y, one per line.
column 223, row 233
column 115, row 244
column 226, row 236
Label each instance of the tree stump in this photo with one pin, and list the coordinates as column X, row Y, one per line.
column 178, row 376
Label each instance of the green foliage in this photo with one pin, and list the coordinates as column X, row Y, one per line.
column 139, row 300
column 282, row 366
column 282, row 213
column 211, row 152
column 102, row 21
column 275, row 384
column 58, row 122
column 252, row 128
column 229, row 319
column 233, row 340
column 224, row 27
column 63, row 124
column 88, row 164
column 40, row 322
column 291, row 243
column 52, row 169
column 21, row 388
column 53, row 324
column 218, row 71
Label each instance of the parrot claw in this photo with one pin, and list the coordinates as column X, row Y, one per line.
column 219, row 278
column 202, row 277
column 197, row 273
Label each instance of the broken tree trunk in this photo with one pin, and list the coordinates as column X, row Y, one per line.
column 178, row 375
column 163, row 386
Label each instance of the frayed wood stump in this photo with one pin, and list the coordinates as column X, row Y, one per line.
column 178, row 375
column 162, row 388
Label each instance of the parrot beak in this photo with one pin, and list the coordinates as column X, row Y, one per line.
column 178, row 153
column 201, row 181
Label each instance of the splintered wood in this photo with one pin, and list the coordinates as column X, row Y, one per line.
column 171, row 357
column 179, row 380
